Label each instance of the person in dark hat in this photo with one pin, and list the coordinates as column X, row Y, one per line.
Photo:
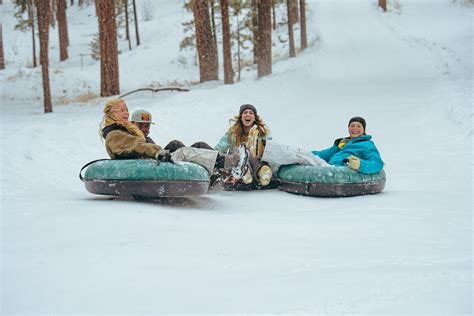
column 248, row 127
column 357, row 151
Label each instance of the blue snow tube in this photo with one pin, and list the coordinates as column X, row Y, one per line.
column 145, row 178
column 328, row 181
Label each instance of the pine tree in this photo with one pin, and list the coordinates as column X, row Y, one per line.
column 2, row 58
column 228, row 72
column 62, row 29
column 207, row 50
column 291, row 37
column 137, row 34
column 264, row 66
column 127, row 25
column 44, row 15
column 303, row 37
column 253, row 5
column 23, row 25
column 109, row 69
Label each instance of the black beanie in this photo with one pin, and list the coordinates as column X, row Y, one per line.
column 244, row 107
column 357, row 119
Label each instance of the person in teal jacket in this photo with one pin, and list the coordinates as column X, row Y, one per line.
column 357, row 151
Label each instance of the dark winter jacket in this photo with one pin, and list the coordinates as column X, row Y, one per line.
column 149, row 140
column 362, row 147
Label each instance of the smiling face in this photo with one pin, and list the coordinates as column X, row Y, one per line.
column 355, row 129
column 248, row 118
column 120, row 111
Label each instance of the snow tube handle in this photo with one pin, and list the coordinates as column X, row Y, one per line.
column 86, row 165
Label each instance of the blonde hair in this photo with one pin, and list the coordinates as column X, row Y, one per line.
column 110, row 119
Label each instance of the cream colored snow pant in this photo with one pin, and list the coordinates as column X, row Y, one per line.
column 277, row 155
column 204, row 157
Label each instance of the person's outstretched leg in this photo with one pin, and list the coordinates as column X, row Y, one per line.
column 174, row 145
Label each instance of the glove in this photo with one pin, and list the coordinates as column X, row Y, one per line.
column 163, row 155
column 354, row 163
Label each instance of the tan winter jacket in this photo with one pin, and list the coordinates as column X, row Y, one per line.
column 123, row 145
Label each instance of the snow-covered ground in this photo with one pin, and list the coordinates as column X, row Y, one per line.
column 405, row 251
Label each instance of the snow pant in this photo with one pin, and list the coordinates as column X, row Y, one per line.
column 277, row 155
column 201, row 156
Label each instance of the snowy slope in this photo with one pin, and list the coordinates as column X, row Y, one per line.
column 405, row 251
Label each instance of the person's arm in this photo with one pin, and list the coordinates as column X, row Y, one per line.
column 121, row 144
column 370, row 160
column 327, row 153
column 224, row 143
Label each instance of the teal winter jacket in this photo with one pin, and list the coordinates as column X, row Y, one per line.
column 226, row 142
column 362, row 147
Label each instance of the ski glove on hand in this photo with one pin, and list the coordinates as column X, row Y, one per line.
column 163, row 155
column 354, row 163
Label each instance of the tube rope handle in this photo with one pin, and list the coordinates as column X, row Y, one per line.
column 86, row 165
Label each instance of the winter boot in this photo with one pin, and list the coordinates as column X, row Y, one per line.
column 265, row 175
column 247, row 178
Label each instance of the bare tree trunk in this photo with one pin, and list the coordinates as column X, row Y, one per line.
column 53, row 14
column 65, row 25
column 214, row 30
column 291, row 38
column 228, row 72
column 239, row 61
column 264, row 66
column 127, row 29
column 383, row 5
column 32, row 24
column 109, row 68
column 303, row 37
column 294, row 11
column 2, row 58
column 136, row 22
column 274, row 15
column 62, row 29
column 255, row 30
column 207, row 51
column 43, row 10
column 72, row 2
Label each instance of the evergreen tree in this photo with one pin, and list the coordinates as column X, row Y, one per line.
column 264, row 66
column 2, row 58
column 228, row 72
column 25, row 24
column 291, row 37
column 207, row 50
column 44, row 15
column 303, row 37
column 62, row 29
column 109, row 69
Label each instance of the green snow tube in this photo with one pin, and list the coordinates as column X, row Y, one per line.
column 328, row 181
column 144, row 178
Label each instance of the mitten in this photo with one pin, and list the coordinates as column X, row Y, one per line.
column 163, row 155
column 354, row 163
